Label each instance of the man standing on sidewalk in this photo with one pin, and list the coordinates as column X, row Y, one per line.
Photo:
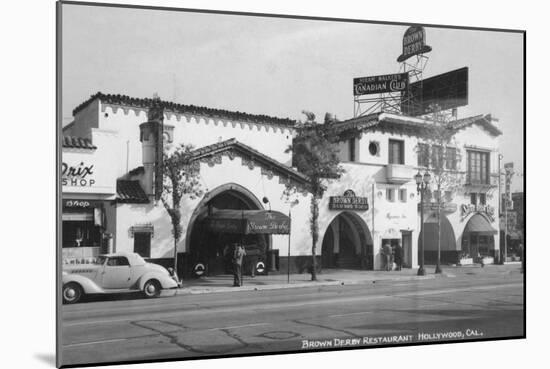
column 238, row 255
column 387, row 251
column 398, row 256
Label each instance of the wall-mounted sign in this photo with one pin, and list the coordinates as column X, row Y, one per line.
column 348, row 202
column 467, row 209
column 79, row 175
column 81, row 204
column 380, row 84
column 414, row 43
column 446, row 207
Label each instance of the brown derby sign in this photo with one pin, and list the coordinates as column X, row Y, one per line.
column 348, row 202
column 414, row 43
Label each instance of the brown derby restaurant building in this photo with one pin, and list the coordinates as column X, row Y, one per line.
column 111, row 189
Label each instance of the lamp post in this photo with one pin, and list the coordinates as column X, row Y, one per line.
column 422, row 183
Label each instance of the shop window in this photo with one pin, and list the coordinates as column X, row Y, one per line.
column 80, row 233
column 396, row 152
column 390, row 194
column 142, row 244
column 403, row 195
column 478, row 167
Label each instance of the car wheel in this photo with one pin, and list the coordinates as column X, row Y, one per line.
column 72, row 293
column 151, row 288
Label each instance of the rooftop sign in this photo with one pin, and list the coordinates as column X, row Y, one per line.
column 414, row 43
column 380, row 84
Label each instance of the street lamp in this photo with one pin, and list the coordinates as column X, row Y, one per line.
column 421, row 187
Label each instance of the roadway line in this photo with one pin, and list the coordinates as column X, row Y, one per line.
column 338, row 300
column 95, row 342
column 237, row 326
column 350, row 314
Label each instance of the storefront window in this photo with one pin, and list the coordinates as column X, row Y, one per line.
column 80, row 234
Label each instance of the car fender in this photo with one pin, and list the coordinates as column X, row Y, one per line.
column 164, row 280
column 87, row 284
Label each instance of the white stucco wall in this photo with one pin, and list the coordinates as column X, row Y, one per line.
column 390, row 218
column 230, row 171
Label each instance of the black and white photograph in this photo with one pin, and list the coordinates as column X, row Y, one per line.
column 285, row 184
column 240, row 184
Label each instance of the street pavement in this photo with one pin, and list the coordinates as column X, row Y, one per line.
column 343, row 309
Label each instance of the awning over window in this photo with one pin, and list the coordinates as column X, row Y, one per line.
column 480, row 226
column 247, row 222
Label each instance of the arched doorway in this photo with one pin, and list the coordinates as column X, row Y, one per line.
column 210, row 248
column 448, row 247
column 347, row 243
column 478, row 239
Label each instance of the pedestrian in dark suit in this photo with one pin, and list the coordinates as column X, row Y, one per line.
column 386, row 251
column 398, row 256
column 238, row 255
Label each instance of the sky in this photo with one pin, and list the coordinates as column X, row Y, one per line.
column 276, row 66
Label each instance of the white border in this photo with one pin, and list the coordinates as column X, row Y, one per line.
column 28, row 167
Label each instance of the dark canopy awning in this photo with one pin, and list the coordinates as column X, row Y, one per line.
column 480, row 226
column 247, row 222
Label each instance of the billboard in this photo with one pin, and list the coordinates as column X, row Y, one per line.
column 448, row 90
column 381, row 84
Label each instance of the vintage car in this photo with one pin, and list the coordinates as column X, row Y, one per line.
column 115, row 273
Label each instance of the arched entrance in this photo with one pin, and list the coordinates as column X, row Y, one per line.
column 347, row 243
column 210, row 248
column 478, row 239
column 449, row 251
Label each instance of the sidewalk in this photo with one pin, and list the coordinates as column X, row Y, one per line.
column 332, row 277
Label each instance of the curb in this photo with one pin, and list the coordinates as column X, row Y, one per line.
column 248, row 288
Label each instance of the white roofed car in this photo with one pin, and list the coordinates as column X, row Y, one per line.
column 115, row 273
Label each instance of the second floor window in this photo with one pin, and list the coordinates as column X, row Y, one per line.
column 423, row 155
column 451, row 158
column 478, row 167
column 352, row 149
column 396, row 152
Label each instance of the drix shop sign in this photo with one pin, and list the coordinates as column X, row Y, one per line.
column 79, row 175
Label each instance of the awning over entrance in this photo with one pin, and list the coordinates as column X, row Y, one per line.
column 478, row 225
column 247, row 222
column 448, row 242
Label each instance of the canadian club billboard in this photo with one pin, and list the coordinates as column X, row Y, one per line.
column 381, row 84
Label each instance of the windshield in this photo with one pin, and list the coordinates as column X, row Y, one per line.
column 100, row 260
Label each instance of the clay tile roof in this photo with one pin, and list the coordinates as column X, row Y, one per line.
column 249, row 152
column 484, row 120
column 78, row 143
column 186, row 109
column 130, row 192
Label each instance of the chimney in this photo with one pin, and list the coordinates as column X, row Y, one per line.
column 151, row 138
